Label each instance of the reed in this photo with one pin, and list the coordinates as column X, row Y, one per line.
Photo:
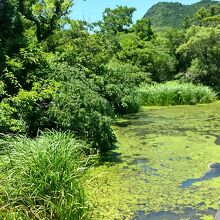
column 176, row 93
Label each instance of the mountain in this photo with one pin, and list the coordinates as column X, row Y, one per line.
column 172, row 14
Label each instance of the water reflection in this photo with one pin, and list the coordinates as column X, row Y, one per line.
column 188, row 213
column 217, row 141
column 212, row 173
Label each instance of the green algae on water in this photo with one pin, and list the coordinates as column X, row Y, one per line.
column 172, row 145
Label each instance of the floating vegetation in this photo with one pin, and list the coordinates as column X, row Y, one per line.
column 176, row 144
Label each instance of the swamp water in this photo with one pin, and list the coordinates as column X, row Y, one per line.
column 166, row 166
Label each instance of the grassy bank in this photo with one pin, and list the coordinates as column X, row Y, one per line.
column 41, row 178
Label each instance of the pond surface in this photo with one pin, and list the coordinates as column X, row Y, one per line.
column 166, row 165
column 188, row 213
column 217, row 141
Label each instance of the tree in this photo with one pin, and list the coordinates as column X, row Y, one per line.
column 200, row 15
column 143, row 29
column 208, row 17
column 44, row 14
column 155, row 56
column 201, row 52
column 11, row 28
column 116, row 20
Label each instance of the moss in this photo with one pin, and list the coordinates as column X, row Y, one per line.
column 160, row 148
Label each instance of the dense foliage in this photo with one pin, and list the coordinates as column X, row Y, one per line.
column 201, row 51
column 57, row 73
column 64, row 75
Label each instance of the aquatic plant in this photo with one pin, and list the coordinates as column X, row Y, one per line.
column 158, row 150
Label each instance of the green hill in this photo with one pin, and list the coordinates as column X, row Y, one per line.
column 170, row 14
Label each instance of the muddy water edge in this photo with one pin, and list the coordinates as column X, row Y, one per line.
column 158, row 150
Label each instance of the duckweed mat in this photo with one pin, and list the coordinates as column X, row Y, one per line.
column 158, row 151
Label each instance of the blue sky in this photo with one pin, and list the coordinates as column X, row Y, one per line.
column 91, row 10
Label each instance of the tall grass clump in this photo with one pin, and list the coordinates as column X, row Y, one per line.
column 41, row 178
column 176, row 93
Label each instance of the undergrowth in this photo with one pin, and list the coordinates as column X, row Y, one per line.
column 41, row 178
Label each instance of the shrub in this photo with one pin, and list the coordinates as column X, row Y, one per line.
column 41, row 178
column 8, row 121
column 79, row 108
column 68, row 104
column 124, row 100
column 175, row 93
column 118, row 85
column 32, row 106
column 2, row 89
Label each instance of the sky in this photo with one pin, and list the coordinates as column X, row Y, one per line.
column 91, row 10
